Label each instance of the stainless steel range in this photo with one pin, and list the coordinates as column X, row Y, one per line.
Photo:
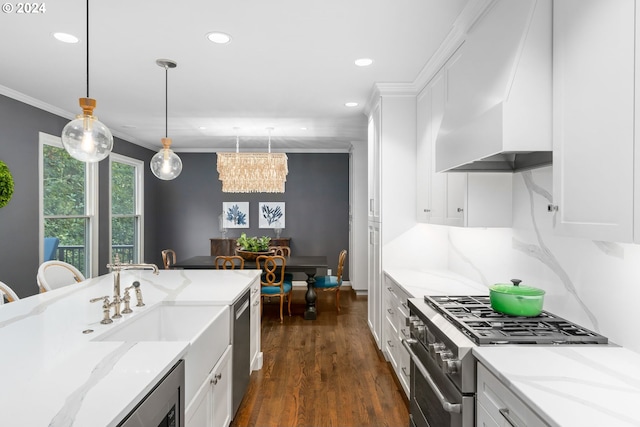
column 444, row 330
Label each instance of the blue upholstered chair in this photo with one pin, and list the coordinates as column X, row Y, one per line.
column 286, row 252
column 273, row 283
column 333, row 283
column 50, row 248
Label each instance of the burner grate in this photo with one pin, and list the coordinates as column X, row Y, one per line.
column 474, row 316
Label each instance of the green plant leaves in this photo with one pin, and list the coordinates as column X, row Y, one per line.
column 6, row 184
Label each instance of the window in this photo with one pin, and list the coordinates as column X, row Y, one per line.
column 126, row 208
column 68, row 206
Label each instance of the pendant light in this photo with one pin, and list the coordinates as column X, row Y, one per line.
column 166, row 164
column 86, row 138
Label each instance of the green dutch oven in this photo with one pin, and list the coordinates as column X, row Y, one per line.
column 516, row 300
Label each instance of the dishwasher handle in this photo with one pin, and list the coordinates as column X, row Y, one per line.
column 446, row 405
column 242, row 309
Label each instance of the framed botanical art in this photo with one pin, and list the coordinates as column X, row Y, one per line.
column 271, row 215
column 235, row 214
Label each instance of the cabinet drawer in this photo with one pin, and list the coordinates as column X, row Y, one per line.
column 391, row 344
column 502, row 404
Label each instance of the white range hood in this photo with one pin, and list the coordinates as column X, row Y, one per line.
column 497, row 113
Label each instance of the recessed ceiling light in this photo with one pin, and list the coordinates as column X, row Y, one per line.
column 66, row 38
column 303, row 128
column 363, row 62
column 350, row 104
column 202, row 127
column 218, row 37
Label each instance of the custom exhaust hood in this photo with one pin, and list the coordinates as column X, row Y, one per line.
column 497, row 112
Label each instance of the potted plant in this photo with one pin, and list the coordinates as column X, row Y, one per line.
column 250, row 247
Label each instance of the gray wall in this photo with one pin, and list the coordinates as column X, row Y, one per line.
column 19, row 239
column 181, row 214
column 316, row 197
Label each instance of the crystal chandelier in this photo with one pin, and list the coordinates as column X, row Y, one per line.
column 253, row 172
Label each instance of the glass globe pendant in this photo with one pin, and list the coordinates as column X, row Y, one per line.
column 86, row 138
column 166, row 164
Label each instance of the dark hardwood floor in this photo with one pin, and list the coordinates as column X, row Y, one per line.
column 326, row 372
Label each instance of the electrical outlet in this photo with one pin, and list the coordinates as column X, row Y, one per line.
column 328, row 272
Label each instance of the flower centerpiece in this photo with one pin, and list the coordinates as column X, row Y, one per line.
column 250, row 248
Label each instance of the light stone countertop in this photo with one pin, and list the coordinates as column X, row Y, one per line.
column 567, row 386
column 54, row 375
column 418, row 283
column 571, row 386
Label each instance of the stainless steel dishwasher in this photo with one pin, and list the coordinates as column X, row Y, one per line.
column 241, row 331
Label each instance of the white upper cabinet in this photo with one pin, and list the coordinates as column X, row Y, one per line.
column 459, row 199
column 498, row 90
column 593, row 107
column 374, row 172
column 479, row 199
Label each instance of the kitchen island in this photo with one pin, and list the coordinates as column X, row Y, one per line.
column 54, row 373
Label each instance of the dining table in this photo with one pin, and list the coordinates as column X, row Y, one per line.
column 293, row 264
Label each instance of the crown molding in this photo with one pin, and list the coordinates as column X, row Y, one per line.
column 465, row 21
column 26, row 99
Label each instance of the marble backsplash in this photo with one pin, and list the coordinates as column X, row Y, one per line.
column 595, row 284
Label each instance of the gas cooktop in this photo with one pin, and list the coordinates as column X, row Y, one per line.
column 474, row 316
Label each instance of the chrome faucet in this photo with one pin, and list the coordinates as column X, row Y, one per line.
column 117, row 267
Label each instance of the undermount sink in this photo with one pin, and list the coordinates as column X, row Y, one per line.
column 205, row 327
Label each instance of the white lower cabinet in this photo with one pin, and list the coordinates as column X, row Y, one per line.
column 256, row 355
column 498, row 406
column 211, row 406
column 374, row 298
column 396, row 312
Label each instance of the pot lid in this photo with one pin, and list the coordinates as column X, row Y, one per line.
column 515, row 288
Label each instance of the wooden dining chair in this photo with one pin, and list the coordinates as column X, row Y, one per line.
column 333, row 283
column 281, row 250
column 168, row 258
column 229, row 262
column 272, row 281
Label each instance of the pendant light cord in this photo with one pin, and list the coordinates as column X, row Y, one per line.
column 87, row 48
column 166, row 101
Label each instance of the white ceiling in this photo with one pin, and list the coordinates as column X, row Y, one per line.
column 290, row 65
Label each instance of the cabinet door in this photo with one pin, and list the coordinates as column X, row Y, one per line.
column 455, row 195
column 221, row 391
column 374, row 166
column 424, row 155
column 593, row 126
column 198, row 413
column 438, row 180
column 374, row 290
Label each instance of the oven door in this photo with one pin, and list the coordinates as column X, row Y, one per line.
column 435, row 401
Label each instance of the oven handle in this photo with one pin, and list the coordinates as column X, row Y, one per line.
column 446, row 405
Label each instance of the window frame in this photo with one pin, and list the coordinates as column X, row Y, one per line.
column 91, row 204
column 138, row 166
